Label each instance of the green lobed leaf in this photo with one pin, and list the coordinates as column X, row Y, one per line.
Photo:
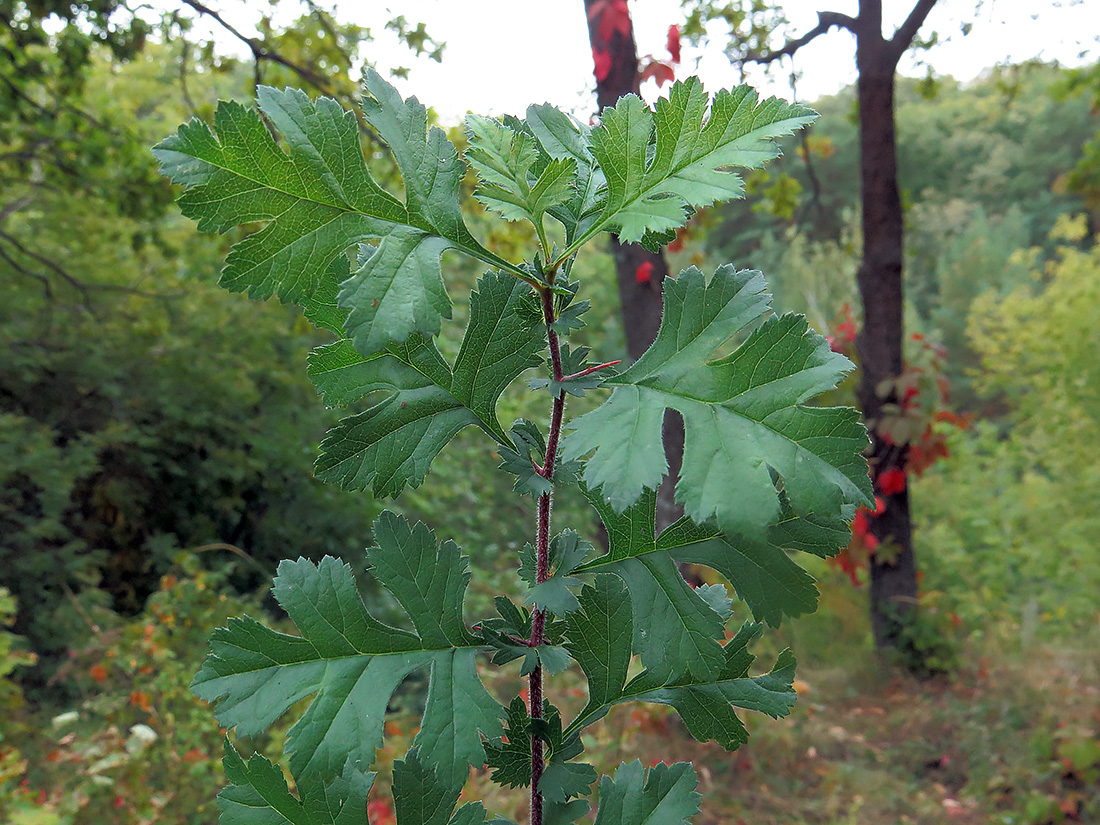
column 567, row 552
column 257, row 794
column 674, row 630
column 761, row 571
column 499, row 344
column 420, row 797
column 661, row 165
column 707, row 709
column 510, row 755
column 393, row 443
column 599, row 634
column 563, row 813
column 563, row 780
column 508, row 636
column 663, row 795
column 318, row 199
column 398, row 292
column 569, row 317
column 351, row 663
column 316, row 196
column 505, row 162
column 566, row 139
column 747, row 425
column 530, row 448
column 706, row 704
column 321, row 308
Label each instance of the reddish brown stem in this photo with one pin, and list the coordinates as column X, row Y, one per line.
column 591, row 370
column 542, row 550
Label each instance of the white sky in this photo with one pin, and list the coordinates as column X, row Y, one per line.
column 502, row 55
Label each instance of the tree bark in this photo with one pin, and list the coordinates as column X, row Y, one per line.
column 893, row 567
column 641, row 300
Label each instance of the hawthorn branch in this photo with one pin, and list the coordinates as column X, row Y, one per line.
column 542, row 549
column 811, row 175
column 185, row 90
column 825, row 21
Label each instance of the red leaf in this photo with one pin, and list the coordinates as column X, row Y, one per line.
column 892, row 481
column 644, row 272
column 380, row 813
column 677, row 243
column 194, row 755
column 910, row 394
column 859, row 523
column 119, row 801
column 673, row 42
column 614, row 17
column 848, row 565
column 661, row 72
column 601, row 60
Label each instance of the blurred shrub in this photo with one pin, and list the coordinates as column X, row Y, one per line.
column 134, row 745
column 1011, row 518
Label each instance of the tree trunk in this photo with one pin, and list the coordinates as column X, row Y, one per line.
column 641, row 300
column 893, row 568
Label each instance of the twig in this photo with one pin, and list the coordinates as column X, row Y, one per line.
column 903, row 37
column 259, row 50
column 591, row 370
column 825, row 21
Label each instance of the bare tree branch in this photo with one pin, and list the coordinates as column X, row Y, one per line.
column 825, row 21
column 47, row 288
column 907, row 31
column 80, row 286
column 56, row 268
column 323, row 18
column 185, row 90
column 811, row 174
column 259, row 50
column 9, row 209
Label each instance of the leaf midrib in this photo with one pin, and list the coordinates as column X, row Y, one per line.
column 745, row 416
column 343, row 657
column 473, row 252
column 628, row 695
column 487, row 425
column 606, row 219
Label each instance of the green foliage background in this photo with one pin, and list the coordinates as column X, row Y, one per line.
column 136, row 426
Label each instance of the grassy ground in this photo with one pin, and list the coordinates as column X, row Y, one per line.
column 1013, row 736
